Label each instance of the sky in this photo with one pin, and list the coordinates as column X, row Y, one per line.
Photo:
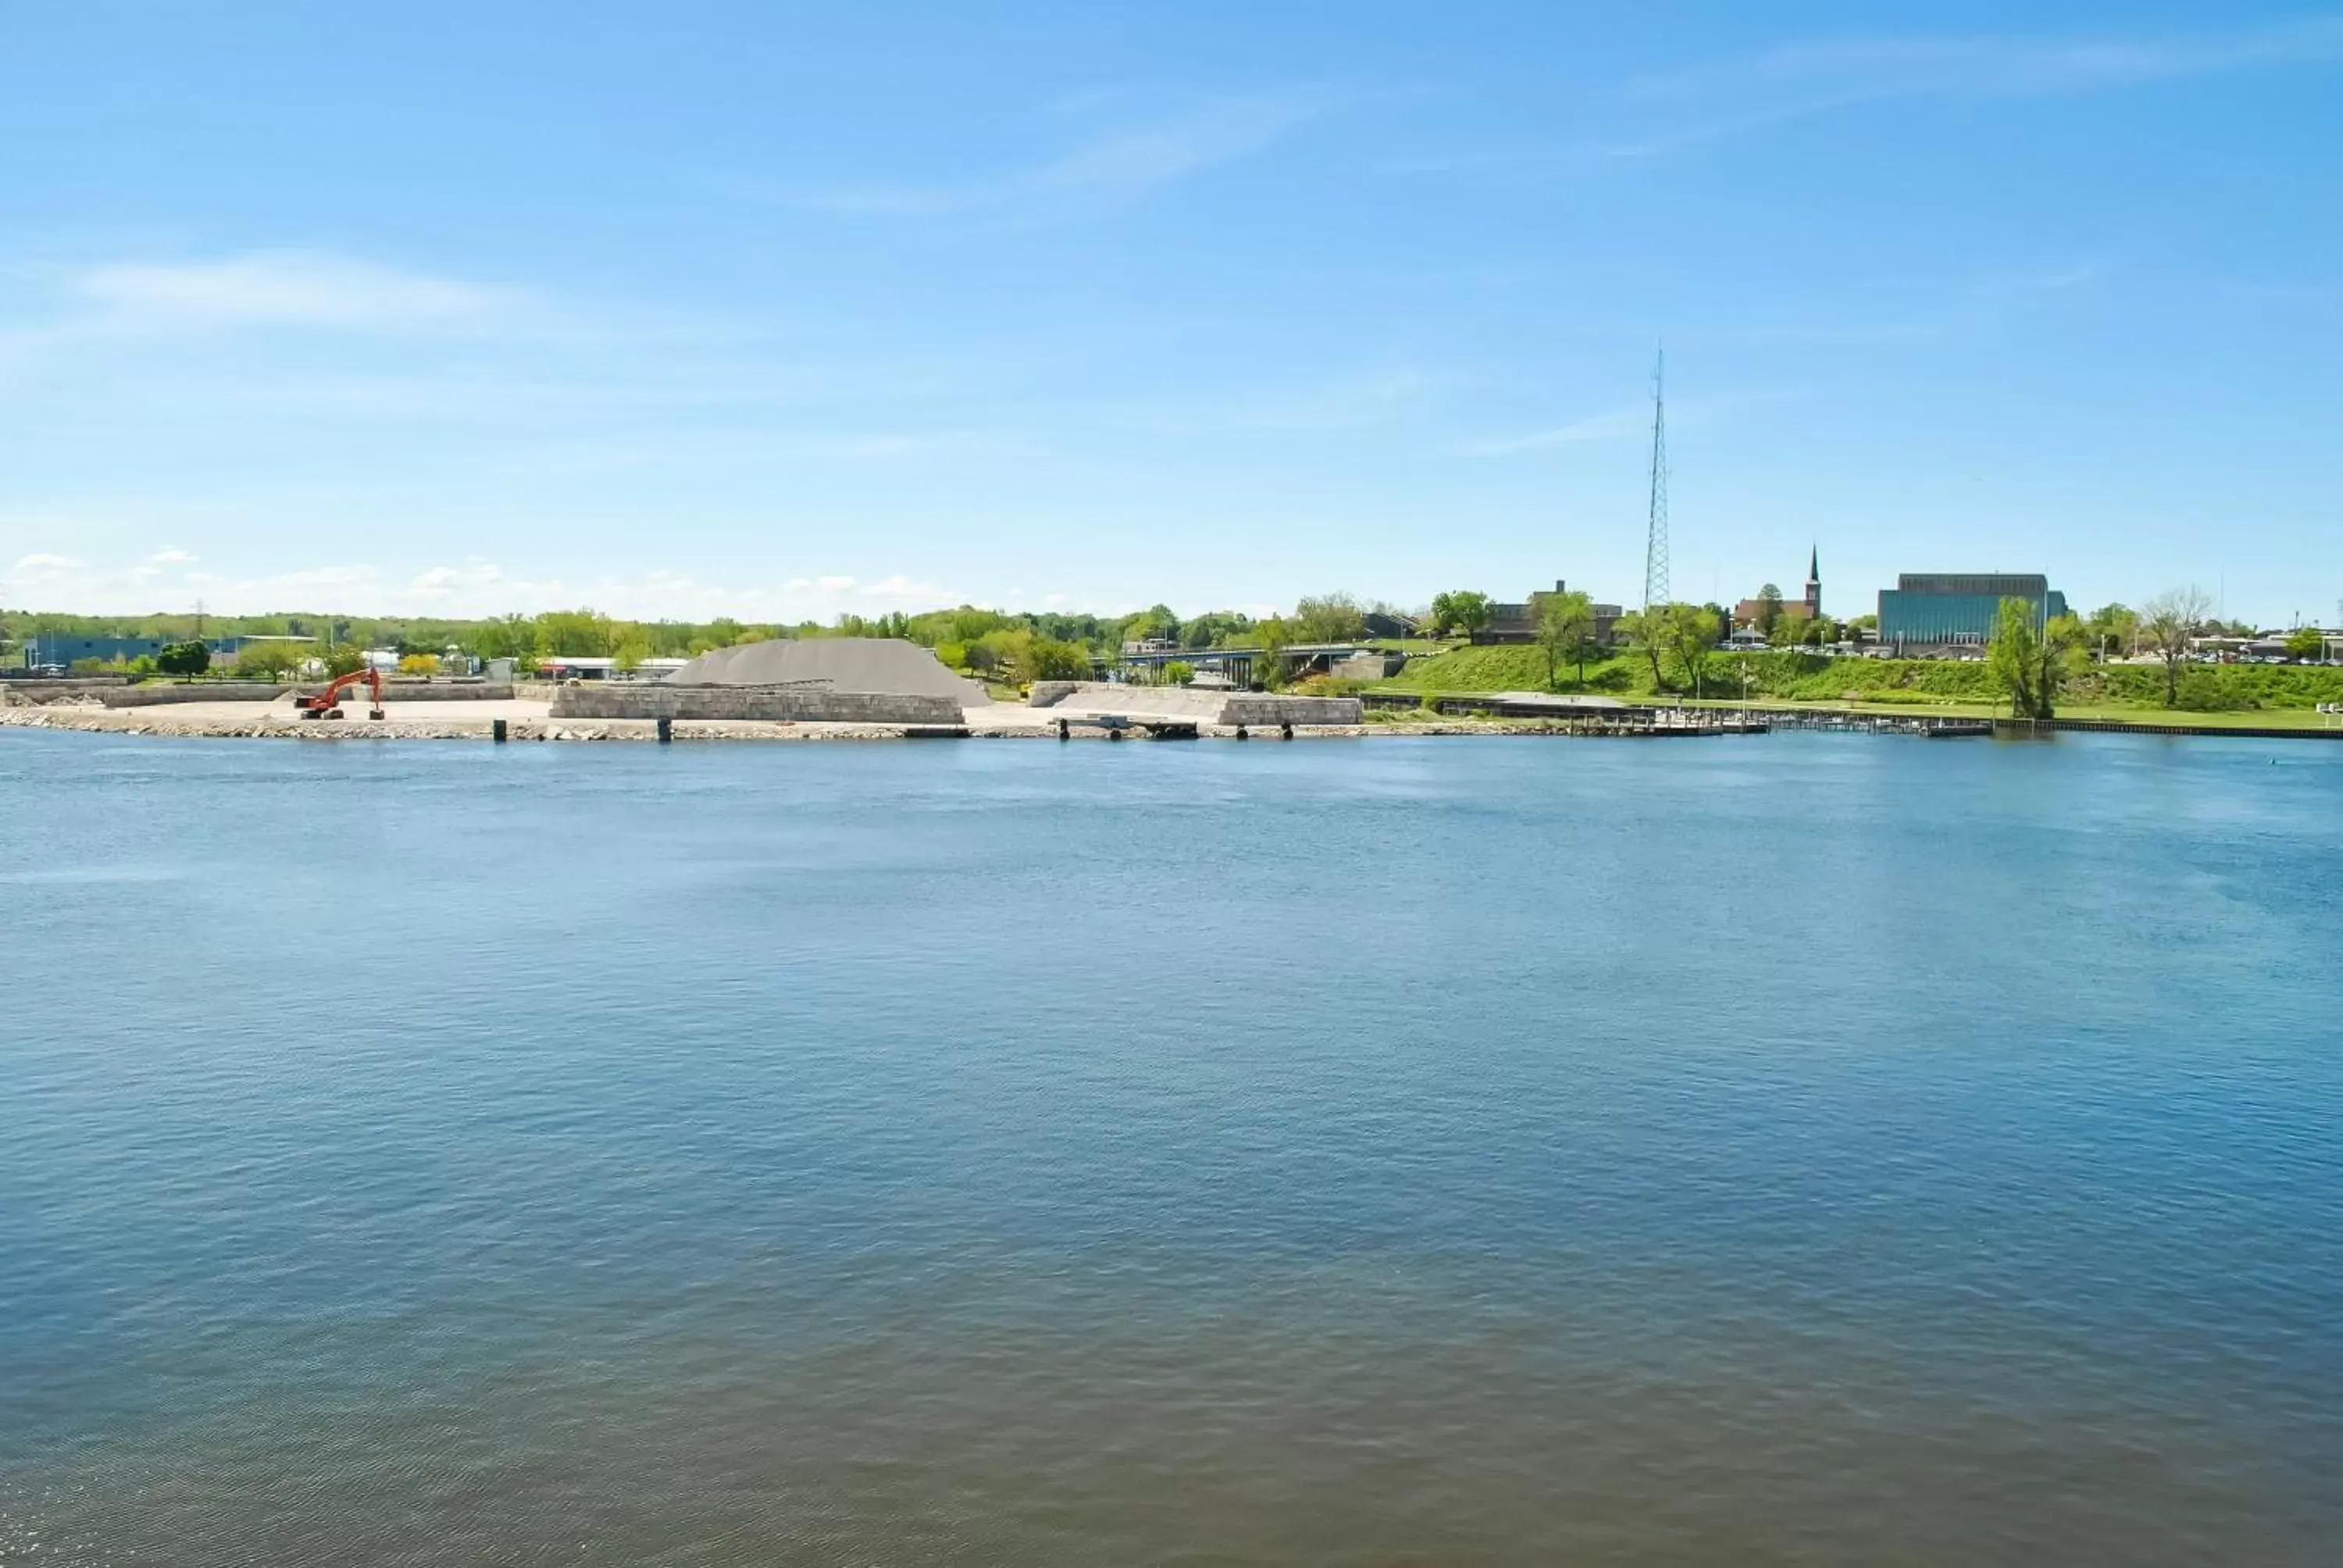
column 777, row 311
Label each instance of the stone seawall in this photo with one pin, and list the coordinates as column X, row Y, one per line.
column 1260, row 707
column 792, row 705
column 34, row 693
column 209, row 691
column 446, row 691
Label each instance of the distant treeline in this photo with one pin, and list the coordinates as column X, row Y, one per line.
column 587, row 633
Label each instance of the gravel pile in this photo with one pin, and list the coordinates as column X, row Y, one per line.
column 860, row 664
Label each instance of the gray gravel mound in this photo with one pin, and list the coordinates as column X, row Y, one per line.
column 883, row 666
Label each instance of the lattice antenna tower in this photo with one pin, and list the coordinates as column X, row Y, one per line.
column 1656, row 538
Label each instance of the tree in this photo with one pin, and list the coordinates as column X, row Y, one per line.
column 2030, row 659
column 2166, row 623
column 1154, row 624
column 1686, row 632
column 1269, row 664
column 343, row 658
column 1641, row 628
column 2306, row 643
column 1464, row 610
column 2012, row 655
column 574, row 633
column 1330, row 617
column 1565, row 625
column 2112, row 626
column 1769, row 609
column 1179, row 673
column 1046, row 658
column 424, row 663
column 506, row 636
column 271, row 660
column 186, row 659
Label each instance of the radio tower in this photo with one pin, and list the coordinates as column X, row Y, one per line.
column 1656, row 540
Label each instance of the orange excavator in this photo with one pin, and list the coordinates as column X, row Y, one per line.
column 327, row 704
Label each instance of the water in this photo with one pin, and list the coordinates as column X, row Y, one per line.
column 1806, row 1149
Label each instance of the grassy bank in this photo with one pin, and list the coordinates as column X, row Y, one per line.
column 2244, row 693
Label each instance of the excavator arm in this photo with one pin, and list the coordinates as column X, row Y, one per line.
column 327, row 704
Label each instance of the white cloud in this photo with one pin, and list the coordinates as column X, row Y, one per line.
column 832, row 584
column 474, row 576
column 285, row 288
column 1803, row 80
column 171, row 559
column 40, row 562
column 1615, row 425
column 908, row 591
column 1124, row 163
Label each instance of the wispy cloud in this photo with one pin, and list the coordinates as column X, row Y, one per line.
column 473, row 586
column 1803, row 80
column 1124, row 163
column 286, row 289
column 1612, row 425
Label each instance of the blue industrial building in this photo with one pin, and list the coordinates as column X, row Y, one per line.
column 1953, row 610
column 48, row 648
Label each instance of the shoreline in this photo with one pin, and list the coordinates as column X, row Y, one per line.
column 276, row 724
column 272, row 723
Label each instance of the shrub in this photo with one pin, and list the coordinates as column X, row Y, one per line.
column 184, row 659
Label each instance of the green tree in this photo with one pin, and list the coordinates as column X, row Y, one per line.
column 184, row 659
column 1464, row 610
column 2304, row 643
column 2112, row 628
column 1269, row 665
column 2030, row 659
column 1769, row 609
column 1046, row 658
column 1687, row 632
column 1179, row 673
column 1154, row 624
column 2168, row 623
column 2012, row 655
column 506, row 636
column 343, row 658
column 271, row 660
column 573, row 633
column 1641, row 629
column 1565, row 629
column 1330, row 617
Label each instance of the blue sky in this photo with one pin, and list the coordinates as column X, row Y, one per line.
column 700, row 308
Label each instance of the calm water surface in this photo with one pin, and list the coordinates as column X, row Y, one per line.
column 1803, row 1148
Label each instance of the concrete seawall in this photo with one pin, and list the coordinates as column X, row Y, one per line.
column 210, row 691
column 1260, row 707
column 793, row 705
column 1188, row 702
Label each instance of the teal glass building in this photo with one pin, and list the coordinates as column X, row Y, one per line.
column 1939, row 609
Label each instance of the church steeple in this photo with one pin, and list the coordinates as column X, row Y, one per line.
column 1815, row 582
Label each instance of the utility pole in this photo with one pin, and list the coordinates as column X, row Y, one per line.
column 1656, row 535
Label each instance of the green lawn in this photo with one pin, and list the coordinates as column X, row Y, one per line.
column 2212, row 697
